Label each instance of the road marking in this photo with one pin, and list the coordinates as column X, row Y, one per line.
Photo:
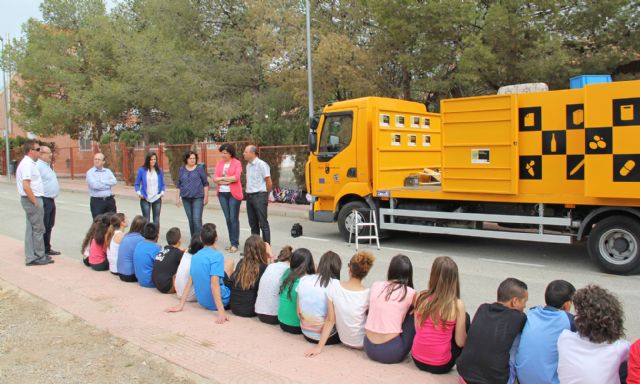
column 313, row 238
column 399, row 249
column 513, row 263
column 82, row 205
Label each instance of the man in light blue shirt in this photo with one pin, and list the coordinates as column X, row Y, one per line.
column 51, row 191
column 100, row 181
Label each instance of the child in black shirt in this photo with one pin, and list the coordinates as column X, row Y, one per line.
column 166, row 263
column 486, row 354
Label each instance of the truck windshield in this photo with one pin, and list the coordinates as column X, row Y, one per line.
column 336, row 133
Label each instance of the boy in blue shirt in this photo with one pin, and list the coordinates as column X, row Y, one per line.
column 537, row 356
column 145, row 254
column 209, row 276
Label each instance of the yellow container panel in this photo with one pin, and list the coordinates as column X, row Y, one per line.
column 611, row 142
column 490, row 132
column 484, row 186
column 479, row 145
column 487, row 103
column 551, row 143
column 405, row 142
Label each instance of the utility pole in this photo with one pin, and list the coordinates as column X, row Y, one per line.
column 309, row 74
column 7, row 106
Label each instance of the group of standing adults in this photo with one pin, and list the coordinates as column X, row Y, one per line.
column 38, row 187
column 193, row 188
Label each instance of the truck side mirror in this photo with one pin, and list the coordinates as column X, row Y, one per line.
column 313, row 133
column 313, row 141
column 313, row 123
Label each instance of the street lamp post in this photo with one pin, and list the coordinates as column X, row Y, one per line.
column 6, row 112
column 309, row 76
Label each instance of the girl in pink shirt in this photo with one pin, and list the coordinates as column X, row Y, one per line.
column 97, row 250
column 389, row 327
column 440, row 318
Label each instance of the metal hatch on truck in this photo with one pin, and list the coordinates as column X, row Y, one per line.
column 480, row 145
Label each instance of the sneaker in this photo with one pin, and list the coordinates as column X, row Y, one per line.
column 53, row 253
column 228, row 247
column 233, row 249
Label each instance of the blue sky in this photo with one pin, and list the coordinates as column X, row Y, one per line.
column 14, row 13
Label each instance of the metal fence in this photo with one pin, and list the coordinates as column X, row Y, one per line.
column 287, row 162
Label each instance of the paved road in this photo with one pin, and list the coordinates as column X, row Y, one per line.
column 483, row 263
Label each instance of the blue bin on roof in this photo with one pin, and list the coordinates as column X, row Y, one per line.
column 582, row 80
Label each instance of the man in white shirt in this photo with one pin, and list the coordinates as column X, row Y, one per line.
column 31, row 190
column 51, row 191
column 257, row 193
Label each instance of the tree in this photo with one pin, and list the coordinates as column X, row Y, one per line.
column 66, row 70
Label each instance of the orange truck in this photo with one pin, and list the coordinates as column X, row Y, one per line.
column 556, row 166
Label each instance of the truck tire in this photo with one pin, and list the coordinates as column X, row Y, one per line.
column 346, row 216
column 614, row 244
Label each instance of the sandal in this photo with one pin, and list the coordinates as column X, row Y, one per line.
column 233, row 249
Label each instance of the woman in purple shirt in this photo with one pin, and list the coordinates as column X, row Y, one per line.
column 193, row 190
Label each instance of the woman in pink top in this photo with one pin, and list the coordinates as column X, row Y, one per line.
column 227, row 177
column 440, row 318
column 389, row 327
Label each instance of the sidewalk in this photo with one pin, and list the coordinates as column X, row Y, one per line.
column 123, row 191
column 240, row 351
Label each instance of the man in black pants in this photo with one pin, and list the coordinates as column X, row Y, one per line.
column 51, row 191
column 100, row 181
column 257, row 193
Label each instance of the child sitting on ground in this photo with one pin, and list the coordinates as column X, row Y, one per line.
column 441, row 320
column 597, row 353
column 633, row 376
column 86, row 242
column 312, row 298
column 145, row 254
column 114, row 236
column 486, row 354
column 347, row 306
column 209, row 276
column 390, row 328
column 97, row 250
column 167, row 261
column 269, row 288
column 183, row 274
column 537, row 355
column 246, row 278
column 301, row 265
column 127, row 248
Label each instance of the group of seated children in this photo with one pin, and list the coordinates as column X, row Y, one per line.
column 388, row 321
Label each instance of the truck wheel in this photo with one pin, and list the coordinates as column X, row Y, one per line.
column 346, row 216
column 615, row 244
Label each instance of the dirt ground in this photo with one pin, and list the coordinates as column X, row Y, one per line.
column 40, row 343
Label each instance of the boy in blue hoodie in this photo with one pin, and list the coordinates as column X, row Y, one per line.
column 537, row 356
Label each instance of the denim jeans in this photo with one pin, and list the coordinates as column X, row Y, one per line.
column 231, row 209
column 193, row 208
column 146, row 208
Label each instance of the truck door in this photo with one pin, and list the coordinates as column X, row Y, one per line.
column 336, row 164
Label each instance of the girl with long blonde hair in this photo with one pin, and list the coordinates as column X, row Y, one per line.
column 440, row 319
